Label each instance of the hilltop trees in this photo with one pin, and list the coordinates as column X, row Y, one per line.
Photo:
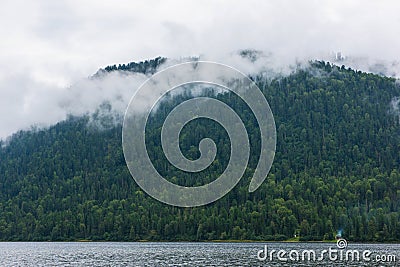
column 336, row 168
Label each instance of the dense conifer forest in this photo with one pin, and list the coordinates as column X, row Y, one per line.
column 337, row 168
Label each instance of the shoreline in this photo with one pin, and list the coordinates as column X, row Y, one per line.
column 205, row 241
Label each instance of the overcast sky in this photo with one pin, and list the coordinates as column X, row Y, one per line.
column 48, row 45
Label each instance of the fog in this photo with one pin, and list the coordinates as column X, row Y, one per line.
column 49, row 48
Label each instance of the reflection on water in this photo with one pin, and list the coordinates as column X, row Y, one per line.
column 174, row 254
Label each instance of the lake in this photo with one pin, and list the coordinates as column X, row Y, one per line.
column 193, row 254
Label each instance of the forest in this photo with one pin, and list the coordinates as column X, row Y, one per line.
column 336, row 169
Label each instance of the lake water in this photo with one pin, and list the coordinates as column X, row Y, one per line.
column 186, row 254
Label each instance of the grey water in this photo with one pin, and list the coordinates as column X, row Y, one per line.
column 187, row 254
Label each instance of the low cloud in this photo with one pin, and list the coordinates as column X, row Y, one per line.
column 42, row 105
column 49, row 47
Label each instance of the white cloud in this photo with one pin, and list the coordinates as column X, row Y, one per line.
column 48, row 45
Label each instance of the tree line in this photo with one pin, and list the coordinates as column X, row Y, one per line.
column 336, row 169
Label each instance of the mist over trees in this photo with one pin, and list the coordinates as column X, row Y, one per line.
column 336, row 168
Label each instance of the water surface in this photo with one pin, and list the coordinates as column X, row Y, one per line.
column 176, row 254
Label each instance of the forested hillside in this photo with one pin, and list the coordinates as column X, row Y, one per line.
column 336, row 168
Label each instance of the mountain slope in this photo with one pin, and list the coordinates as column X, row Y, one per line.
column 336, row 168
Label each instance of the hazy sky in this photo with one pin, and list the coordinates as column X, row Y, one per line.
column 48, row 45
